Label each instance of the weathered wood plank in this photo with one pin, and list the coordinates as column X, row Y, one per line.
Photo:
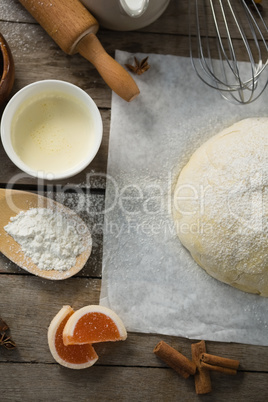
column 173, row 21
column 29, row 303
column 13, row 11
column 32, row 48
column 31, row 382
column 38, row 57
column 90, row 207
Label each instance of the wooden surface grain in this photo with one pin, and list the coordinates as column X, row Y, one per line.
column 125, row 371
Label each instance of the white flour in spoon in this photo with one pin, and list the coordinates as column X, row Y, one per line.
column 50, row 239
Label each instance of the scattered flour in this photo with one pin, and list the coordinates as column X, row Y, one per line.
column 48, row 237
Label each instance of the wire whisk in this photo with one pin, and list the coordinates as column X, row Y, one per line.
column 228, row 47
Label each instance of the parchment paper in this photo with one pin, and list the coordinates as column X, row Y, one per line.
column 149, row 279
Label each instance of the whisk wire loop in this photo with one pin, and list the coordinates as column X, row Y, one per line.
column 216, row 33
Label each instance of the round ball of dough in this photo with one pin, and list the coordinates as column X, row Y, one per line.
column 221, row 206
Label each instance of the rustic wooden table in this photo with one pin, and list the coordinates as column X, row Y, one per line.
column 127, row 370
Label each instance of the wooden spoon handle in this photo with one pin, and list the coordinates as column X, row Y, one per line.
column 118, row 79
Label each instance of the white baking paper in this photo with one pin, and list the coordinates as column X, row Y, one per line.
column 149, row 279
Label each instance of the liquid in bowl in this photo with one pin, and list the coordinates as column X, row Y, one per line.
column 52, row 132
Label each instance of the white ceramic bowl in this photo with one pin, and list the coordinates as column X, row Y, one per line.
column 21, row 116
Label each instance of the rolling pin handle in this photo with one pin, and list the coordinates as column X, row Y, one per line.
column 118, row 79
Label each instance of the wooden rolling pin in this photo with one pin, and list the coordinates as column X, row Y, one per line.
column 73, row 28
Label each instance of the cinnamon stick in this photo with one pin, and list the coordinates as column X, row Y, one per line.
column 219, row 361
column 202, row 375
column 175, row 359
column 220, row 369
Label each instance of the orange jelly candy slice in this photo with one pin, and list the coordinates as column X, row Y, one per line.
column 92, row 324
column 73, row 356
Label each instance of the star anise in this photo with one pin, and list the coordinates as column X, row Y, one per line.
column 3, row 325
column 7, row 342
column 140, row 66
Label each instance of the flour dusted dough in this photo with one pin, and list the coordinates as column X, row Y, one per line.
column 221, row 206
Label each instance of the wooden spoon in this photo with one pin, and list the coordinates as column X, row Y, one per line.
column 14, row 201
